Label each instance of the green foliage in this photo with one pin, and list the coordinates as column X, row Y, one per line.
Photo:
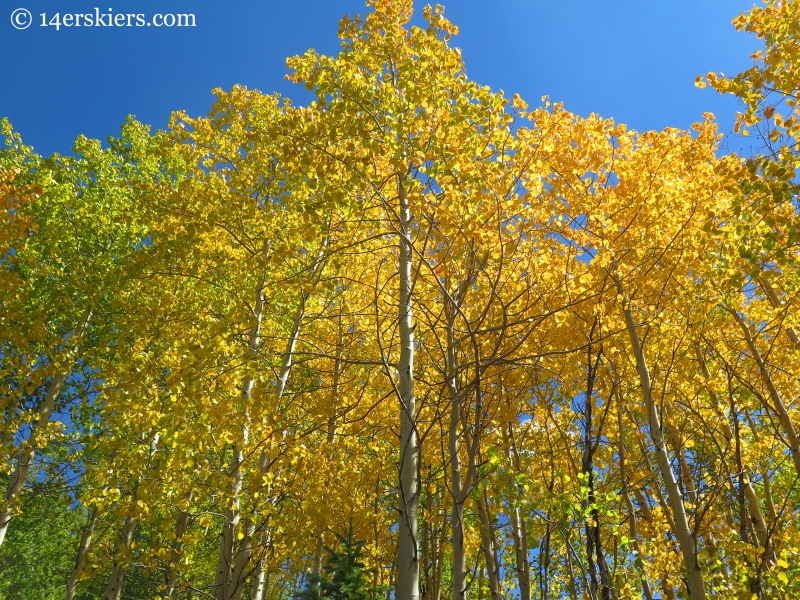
column 38, row 553
column 313, row 587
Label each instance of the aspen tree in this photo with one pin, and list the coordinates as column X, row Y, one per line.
column 75, row 268
column 121, row 557
column 646, row 590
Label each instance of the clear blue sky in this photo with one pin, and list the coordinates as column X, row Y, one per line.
column 631, row 60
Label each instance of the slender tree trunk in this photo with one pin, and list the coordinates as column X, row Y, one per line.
column 488, row 546
column 459, row 567
column 643, row 500
column 544, row 563
column 408, row 494
column 392, row 586
column 773, row 515
column 177, row 549
column 28, row 453
column 683, row 532
column 459, row 564
column 333, row 425
column 426, row 551
column 519, row 532
column 576, row 557
column 646, row 591
column 571, row 587
column 222, row 580
column 676, row 441
column 259, row 582
column 115, row 580
column 319, row 553
column 591, row 528
column 288, row 354
column 594, row 546
column 644, row 507
column 428, row 535
column 519, row 529
column 283, row 377
column 776, row 303
column 757, row 518
column 238, row 565
column 778, row 406
column 741, row 496
column 723, row 420
column 439, row 549
column 223, row 585
column 748, row 495
column 83, row 550
column 242, row 562
column 114, row 587
column 669, row 593
column 605, row 572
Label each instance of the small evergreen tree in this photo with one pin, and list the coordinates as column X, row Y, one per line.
column 346, row 575
column 313, row 587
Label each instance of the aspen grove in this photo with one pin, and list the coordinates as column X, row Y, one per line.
column 515, row 352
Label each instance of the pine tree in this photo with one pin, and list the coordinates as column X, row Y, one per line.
column 313, row 587
column 346, row 573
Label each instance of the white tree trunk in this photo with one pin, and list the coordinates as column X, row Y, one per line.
column 459, row 564
column 488, row 546
column 759, row 524
column 778, row 406
column 519, row 530
column 723, row 419
column 773, row 515
column 83, row 550
column 258, row 575
column 114, row 587
column 333, row 424
column 646, row 591
column 222, row 579
column 237, row 584
column 26, row 456
column 177, row 548
column 28, row 453
column 407, row 493
column 682, row 530
column 258, row 582
column 225, row 558
column 776, row 303
column 115, row 580
column 676, row 441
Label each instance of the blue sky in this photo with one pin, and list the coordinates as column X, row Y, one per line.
column 634, row 61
